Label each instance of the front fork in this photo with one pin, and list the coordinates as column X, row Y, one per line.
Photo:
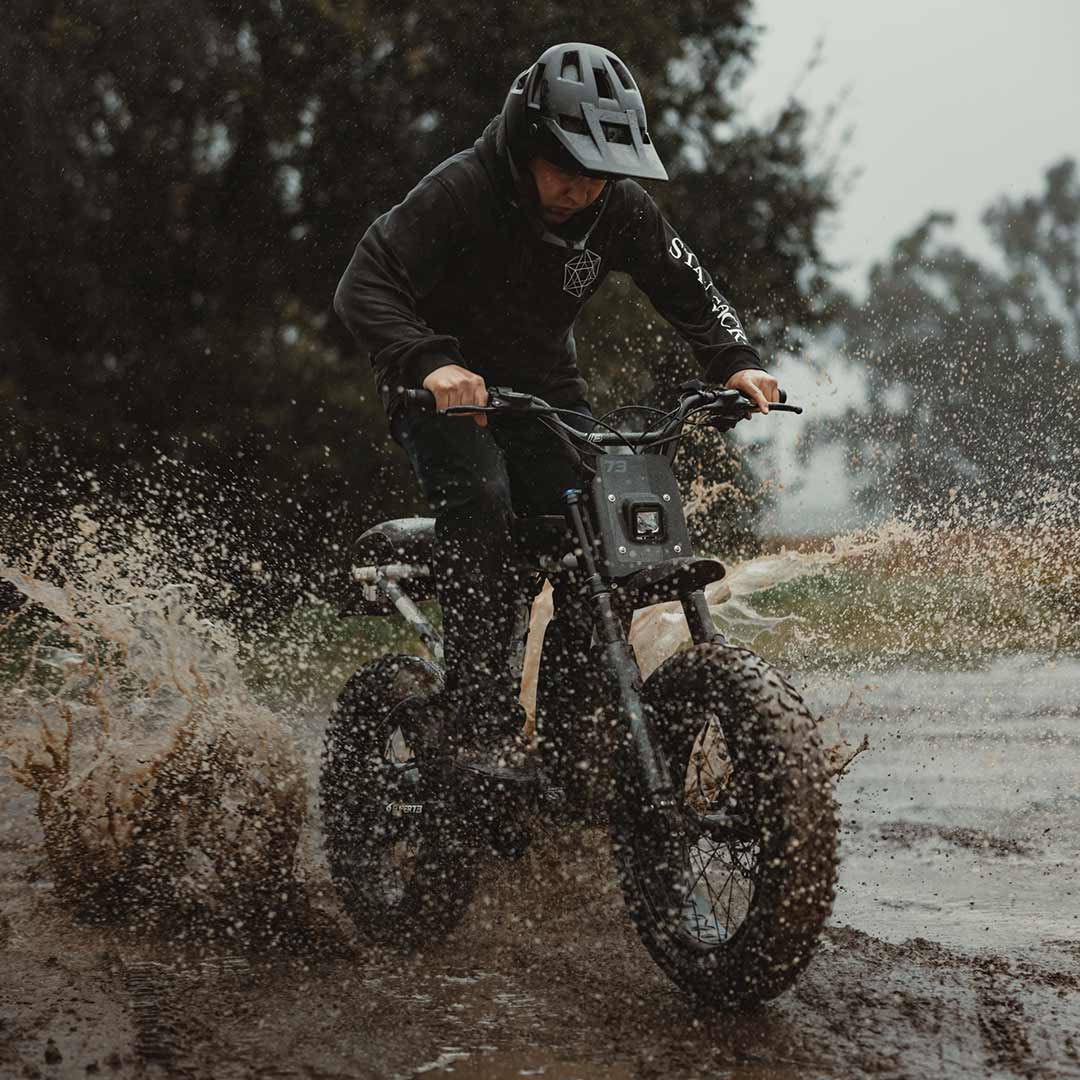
column 699, row 620
column 621, row 662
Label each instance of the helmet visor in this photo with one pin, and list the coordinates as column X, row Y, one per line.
column 608, row 145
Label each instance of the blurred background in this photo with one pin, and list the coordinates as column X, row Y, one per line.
column 889, row 195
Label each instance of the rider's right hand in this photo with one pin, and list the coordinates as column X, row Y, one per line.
column 455, row 385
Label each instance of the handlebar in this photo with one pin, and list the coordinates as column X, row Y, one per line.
column 425, row 400
column 725, row 408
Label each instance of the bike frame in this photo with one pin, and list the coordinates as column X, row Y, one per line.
column 626, row 521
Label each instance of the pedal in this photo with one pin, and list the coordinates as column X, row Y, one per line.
column 494, row 800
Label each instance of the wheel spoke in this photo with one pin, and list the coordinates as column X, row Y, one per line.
column 713, row 901
column 726, row 887
column 708, row 926
column 401, row 852
column 722, row 852
column 697, row 877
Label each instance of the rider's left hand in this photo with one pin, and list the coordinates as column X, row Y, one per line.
column 759, row 386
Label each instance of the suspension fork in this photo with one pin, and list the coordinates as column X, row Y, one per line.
column 621, row 662
column 698, row 618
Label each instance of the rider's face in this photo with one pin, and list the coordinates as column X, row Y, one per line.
column 563, row 194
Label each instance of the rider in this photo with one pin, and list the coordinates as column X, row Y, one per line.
column 476, row 279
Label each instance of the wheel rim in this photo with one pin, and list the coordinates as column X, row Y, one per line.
column 718, row 889
column 718, row 861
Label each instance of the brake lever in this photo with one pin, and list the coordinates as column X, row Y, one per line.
column 726, row 423
column 503, row 401
column 747, row 409
column 510, row 399
column 468, row 410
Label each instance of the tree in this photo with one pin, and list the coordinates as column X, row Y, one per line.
column 1039, row 237
column 971, row 370
column 183, row 186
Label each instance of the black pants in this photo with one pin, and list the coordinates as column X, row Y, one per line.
column 476, row 479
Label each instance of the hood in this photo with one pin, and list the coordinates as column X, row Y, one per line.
column 515, row 185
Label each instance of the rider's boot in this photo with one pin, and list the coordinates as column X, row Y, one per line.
column 478, row 728
column 492, row 758
column 489, row 724
column 425, row 720
column 478, row 741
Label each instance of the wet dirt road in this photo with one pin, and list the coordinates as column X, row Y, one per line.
column 954, row 948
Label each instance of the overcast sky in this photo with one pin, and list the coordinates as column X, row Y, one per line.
column 953, row 102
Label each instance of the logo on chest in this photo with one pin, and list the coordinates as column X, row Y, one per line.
column 580, row 272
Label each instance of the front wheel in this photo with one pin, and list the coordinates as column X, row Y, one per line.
column 730, row 890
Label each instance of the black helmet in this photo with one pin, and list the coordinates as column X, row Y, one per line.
column 579, row 107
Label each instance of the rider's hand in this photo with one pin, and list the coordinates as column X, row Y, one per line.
column 455, row 385
column 759, row 386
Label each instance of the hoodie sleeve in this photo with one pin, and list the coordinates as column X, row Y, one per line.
column 682, row 291
column 400, row 260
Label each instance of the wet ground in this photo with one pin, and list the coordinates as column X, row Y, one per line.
column 954, row 948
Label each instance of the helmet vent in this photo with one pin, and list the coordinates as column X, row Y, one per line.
column 571, row 67
column 603, row 84
column 574, row 124
column 624, row 75
column 537, row 88
column 617, row 133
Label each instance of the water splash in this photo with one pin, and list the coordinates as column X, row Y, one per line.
column 167, row 785
column 164, row 787
column 658, row 632
column 958, row 592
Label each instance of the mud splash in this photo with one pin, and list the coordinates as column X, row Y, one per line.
column 164, row 788
column 172, row 793
column 165, row 784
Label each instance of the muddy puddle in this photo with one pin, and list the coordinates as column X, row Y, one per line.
column 963, row 824
column 953, row 949
column 172, row 790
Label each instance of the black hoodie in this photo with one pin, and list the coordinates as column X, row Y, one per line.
column 459, row 273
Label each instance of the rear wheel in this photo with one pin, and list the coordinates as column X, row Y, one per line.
column 731, row 900
column 392, row 839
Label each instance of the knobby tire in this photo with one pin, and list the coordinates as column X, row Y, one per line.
column 410, row 905
column 781, row 852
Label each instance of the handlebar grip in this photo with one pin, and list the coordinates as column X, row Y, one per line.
column 783, row 397
column 418, row 399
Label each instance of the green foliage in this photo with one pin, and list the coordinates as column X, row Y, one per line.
column 874, row 621
column 184, row 185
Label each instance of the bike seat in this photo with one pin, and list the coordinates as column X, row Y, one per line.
column 412, row 541
column 403, row 540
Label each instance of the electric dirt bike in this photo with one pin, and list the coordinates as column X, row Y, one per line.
column 710, row 774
